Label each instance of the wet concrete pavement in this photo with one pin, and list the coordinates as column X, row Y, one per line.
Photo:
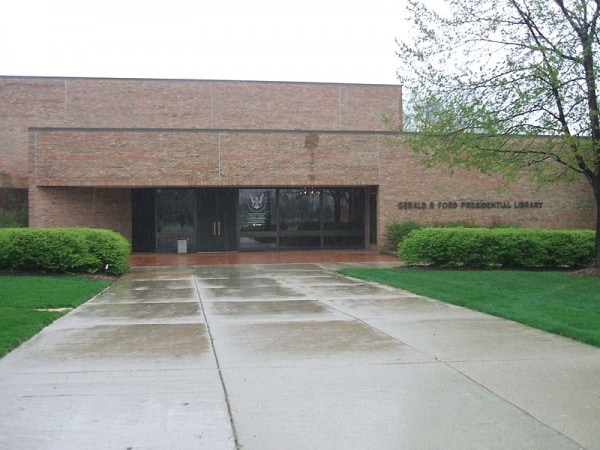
column 294, row 356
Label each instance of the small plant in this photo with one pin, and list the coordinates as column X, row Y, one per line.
column 395, row 232
column 63, row 250
column 13, row 208
column 13, row 218
column 498, row 247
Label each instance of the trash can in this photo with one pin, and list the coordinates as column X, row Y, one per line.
column 181, row 245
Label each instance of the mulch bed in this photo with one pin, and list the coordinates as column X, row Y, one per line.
column 589, row 272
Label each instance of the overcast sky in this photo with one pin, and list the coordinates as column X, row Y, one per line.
column 346, row 41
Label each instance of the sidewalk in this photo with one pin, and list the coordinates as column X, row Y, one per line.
column 294, row 356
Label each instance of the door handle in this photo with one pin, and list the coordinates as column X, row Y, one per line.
column 216, row 228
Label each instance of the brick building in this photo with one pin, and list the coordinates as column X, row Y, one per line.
column 235, row 165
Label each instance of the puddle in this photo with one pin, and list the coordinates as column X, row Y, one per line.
column 54, row 309
column 268, row 308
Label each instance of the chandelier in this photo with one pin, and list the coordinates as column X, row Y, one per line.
column 306, row 191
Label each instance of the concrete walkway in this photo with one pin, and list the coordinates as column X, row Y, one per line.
column 291, row 356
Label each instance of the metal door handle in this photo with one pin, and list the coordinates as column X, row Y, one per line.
column 216, row 228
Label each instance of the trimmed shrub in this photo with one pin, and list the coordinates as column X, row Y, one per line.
column 63, row 250
column 395, row 232
column 12, row 219
column 13, row 208
column 498, row 247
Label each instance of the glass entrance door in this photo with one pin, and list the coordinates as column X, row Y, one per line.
column 216, row 220
column 175, row 219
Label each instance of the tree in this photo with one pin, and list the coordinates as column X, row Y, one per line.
column 506, row 86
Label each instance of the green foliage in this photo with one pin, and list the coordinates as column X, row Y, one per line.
column 63, row 250
column 506, row 87
column 13, row 208
column 18, row 325
column 25, row 300
column 109, row 249
column 395, row 232
column 479, row 73
column 498, row 247
column 12, row 219
column 552, row 301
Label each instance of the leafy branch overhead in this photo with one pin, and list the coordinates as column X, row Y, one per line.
column 506, row 86
column 486, row 79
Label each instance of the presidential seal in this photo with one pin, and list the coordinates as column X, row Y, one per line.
column 257, row 203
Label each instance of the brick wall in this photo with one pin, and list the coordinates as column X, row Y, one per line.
column 185, row 104
column 467, row 196
column 73, row 142
column 210, row 158
column 25, row 102
column 86, row 207
column 229, row 105
column 202, row 158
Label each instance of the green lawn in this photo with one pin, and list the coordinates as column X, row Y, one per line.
column 552, row 301
column 25, row 301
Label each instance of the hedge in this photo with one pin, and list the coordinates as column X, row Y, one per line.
column 395, row 232
column 498, row 247
column 63, row 250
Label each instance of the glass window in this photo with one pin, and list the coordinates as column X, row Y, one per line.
column 299, row 210
column 175, row 218
column 299, row 242
column 343, row 217
column 257, row 219
column 342, row 209
column 373, row 215
column 267, row 218
column 301, row 218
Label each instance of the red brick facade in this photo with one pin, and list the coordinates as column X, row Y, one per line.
column 81, row 145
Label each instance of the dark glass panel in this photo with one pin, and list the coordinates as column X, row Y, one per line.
column 257, row 219
column 373, row 215
column 143, row 220
column 299, row 210
column 342, row 209
column 256, row 242
column 341, row 241
column 295, row 241
column 216, row 219
column 343, row 217
column 257, row 210
column 175, row 218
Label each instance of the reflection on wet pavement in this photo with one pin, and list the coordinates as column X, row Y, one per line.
column 294, row 356
column 140, row 312
column 252, row 309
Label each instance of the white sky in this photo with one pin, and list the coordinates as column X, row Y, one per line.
column 346, row 41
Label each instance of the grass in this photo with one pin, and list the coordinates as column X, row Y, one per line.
column 26, row 303
column 551, row 301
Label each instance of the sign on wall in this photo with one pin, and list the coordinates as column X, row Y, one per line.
column 470, row 205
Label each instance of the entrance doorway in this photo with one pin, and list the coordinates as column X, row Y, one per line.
column 250, row 219
column 216, row 220
column 204, row 218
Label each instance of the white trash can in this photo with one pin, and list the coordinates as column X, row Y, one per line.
column 182, row 245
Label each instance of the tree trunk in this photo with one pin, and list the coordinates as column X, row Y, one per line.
column 596, row 263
